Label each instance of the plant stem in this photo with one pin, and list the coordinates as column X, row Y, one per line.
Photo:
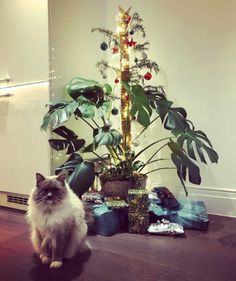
column 95, row 123
column 153, row 156
column 103, row 119
column 144, row 129
column 99, row 157
column 112, row 153
column 141, row 151
column 160, row 159
column 164, row 168
column 87, row 123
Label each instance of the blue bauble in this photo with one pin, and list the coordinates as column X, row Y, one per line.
column 104, row 46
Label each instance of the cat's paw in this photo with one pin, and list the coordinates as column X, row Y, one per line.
column 56, row 264
column 45, row 259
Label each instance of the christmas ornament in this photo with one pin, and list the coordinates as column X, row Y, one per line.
column 128, row 18
column 131, row 43
column 131, row 32
column 115, row 50
column 147, row 76
column 144, row 56
column 126, row 98
column 114, row 111
column 117, row 80
column 104, row 46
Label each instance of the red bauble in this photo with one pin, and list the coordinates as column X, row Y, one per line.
column 117, row 80
column 128, row 18
column 147, row 76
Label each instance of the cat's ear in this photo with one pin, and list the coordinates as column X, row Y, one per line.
column 62, row 176
column 39, row 178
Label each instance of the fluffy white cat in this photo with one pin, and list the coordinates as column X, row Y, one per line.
column 57, row 219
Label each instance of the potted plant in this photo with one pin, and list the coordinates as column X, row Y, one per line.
column 93, row 103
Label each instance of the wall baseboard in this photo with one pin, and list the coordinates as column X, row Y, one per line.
column 218, row 201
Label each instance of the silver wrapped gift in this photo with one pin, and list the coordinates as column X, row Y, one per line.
column 164, row 227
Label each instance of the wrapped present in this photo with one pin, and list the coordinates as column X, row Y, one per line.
column 138, row 222
column 138, row 200
column 94, row 197
column 191, row 214
column 167, row 199
column 115, row 203
column 106, row 221
column 164, row 227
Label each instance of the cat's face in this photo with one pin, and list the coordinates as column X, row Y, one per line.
column 50, row 191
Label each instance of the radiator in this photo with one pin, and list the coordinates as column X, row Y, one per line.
column 14, row 200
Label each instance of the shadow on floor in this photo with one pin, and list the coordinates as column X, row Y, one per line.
column 228, row 240
column 70, row 270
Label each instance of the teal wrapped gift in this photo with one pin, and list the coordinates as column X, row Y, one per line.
column 191, row 214
column 106, row 221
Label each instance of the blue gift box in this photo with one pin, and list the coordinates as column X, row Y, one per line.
column 191, row 214
column 106, row 221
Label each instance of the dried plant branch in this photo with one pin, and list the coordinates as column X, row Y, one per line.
column 112, row 37
column 141, row 47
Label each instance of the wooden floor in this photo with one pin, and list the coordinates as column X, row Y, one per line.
column 200, row 256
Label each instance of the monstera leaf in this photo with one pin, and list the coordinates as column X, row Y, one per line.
column 104, row 107
column 107, row 137
column 140, row 107
column 171, row 117
column 184, row 165
column 81, row 172
column 201, row 142
column 86, row 109
column 90, row 89
column 58, row 114
column 71, row 141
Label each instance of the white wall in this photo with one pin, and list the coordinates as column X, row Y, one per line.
column 24, row 148
column 194, row 44
column 24, row 40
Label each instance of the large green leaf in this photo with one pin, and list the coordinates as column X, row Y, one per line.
column 110, row 137
column 108, row 88
column 82, row 173
column 140, row 107
column 80, row 84
column 199, row 139
column 65, row 132
column 172, row 117
column 184, row 165
column 90, row 148
column 87, row 110
column 58, row 114
column 104, row 108
column 71, row 141
column 88, row 88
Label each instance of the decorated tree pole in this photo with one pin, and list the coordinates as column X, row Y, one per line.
column 133, row 60
column 122, row 29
